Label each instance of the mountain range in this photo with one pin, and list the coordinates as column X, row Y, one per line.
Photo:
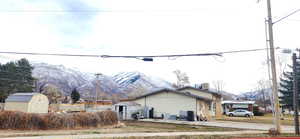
column 122, row 85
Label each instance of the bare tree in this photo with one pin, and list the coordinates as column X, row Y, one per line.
column 182, row 78
column 262, row 86
column 53, row 93
column 218, row 85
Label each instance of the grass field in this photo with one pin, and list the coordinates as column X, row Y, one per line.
column 268, row 119
column 131, row 127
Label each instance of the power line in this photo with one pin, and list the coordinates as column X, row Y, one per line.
column 136, row 56
column 298, row 10
column 97, row 11
column 153, row 56
column 49, row 54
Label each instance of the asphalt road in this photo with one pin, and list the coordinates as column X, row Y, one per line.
column 229, row 124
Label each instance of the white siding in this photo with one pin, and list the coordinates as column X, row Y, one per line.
column 140, row 101
column 16, row 106
column 168, row 103
column 38, row 104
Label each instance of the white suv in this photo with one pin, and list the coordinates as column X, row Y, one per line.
column 240, row 112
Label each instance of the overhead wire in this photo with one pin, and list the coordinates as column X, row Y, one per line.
column 294, row 12
column 135, row 56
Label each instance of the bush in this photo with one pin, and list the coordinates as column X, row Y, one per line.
column 256, row 111
column 21, row 120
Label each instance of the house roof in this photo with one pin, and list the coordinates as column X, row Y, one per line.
column 207, row 91
column 237, row 102
column 21, row 97
column 173, row 91
column 128, row 103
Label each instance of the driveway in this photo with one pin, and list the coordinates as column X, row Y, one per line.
column 240, row 125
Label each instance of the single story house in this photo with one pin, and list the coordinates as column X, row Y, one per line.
column 231, row 105
column 201, row 103
column 27, row 102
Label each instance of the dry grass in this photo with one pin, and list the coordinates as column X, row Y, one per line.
column 131, row 127
column 26, row 121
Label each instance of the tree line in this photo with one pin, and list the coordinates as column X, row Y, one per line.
column 15, row 77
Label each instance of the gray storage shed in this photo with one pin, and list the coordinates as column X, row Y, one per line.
column 27, row 102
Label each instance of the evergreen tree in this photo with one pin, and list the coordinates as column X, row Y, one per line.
column 15, row 77
column 75, row 95
column 286, row 89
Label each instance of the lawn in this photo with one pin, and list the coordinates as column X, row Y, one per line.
column 268, row 119
column 131, row 127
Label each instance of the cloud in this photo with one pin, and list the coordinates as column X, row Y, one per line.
column 76, row 19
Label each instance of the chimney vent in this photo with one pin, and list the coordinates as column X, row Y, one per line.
column 205, row 86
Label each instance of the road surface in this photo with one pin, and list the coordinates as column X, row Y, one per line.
column 230, row 124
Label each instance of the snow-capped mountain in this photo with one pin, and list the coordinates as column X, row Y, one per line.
column 136, row 83
column 256, row 95
column 123, row 84
column 59, row 76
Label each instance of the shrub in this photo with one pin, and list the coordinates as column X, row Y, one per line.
column 21, row 120
column 257, row 112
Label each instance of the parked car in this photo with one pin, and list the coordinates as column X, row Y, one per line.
column 240, row 112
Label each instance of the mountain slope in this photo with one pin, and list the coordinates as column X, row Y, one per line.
column 124, row 84
column 136, row 83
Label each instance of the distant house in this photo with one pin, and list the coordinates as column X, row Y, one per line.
column 167, row 102
column 231, row 105
column 27, row 102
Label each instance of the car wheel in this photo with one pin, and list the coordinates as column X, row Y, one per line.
column 231, row 115
column 247, row 115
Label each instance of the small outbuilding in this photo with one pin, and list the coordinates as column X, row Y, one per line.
column 27, row 102
column 126, row 109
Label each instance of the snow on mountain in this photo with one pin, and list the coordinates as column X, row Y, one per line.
column 123, row 84
column 136, row 83
column 256, row 95
column 106, row 86
column 63, row 78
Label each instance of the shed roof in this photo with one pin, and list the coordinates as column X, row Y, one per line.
column 21, row 97
column 128, row 103
column 176, row 92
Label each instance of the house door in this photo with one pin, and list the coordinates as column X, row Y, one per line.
column 151, row 113
column 121, row 112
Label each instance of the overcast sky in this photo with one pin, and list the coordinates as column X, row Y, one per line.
column 151, row 27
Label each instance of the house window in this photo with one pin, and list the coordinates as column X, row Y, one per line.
column 214, row 107
column 209, row 106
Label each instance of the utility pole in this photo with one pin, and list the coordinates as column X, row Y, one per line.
column 273, row 68
column 97, row 86
column 295, row 94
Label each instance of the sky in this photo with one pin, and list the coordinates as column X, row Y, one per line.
column 144, row 27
